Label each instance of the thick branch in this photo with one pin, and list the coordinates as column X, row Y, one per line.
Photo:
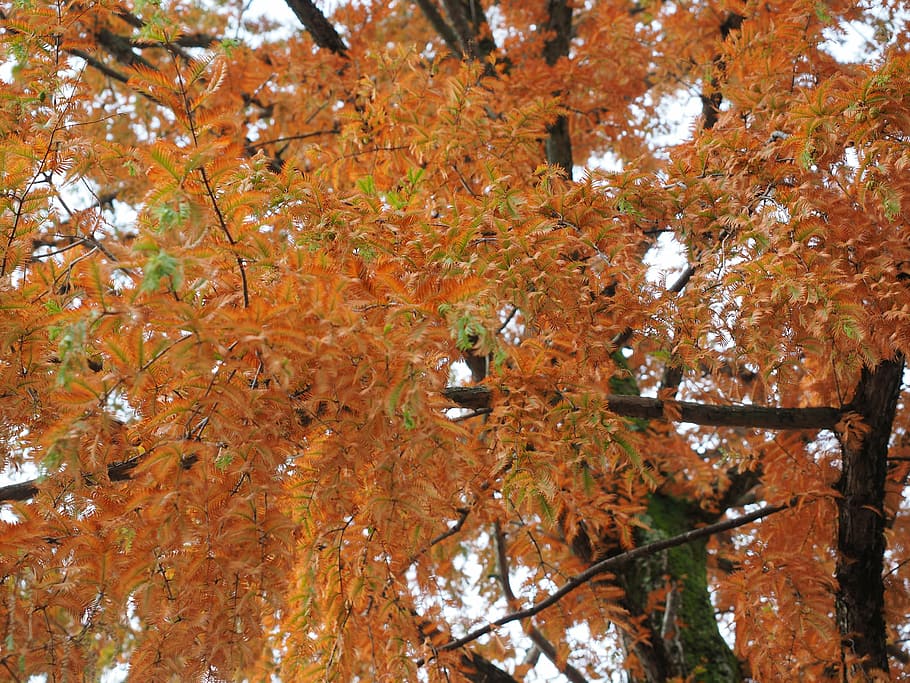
column 712, row 98
column 324, row 34
column 559, row 33
column 438, row 22
column 469, row 22
column 610, row 564
column 758, row 417
column 478, row 669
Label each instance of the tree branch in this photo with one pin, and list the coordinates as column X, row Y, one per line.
column 438, row 22
column 611, row 563
column 116, row 471
column 558, row 30
column 312, row 18
column 537, row 637
column 758, row 417
column 478, row 669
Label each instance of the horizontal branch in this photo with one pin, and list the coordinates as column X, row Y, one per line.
column 759, row 417
column 611, row 563
column 116, row 471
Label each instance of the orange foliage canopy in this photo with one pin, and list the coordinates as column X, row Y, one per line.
column 240, row 265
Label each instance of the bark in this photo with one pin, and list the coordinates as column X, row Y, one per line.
column 861, row 524
column 758, row 417
column 320, row 28
column 712, row 98
column 559, row 34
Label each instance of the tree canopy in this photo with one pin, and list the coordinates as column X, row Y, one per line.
column 350, row 350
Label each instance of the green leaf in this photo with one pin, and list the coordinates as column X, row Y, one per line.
column 468, row 332
column 367, row 185
column 161, row 265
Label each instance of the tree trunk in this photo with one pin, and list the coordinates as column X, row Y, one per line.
column 861, row 523
column 684, row 640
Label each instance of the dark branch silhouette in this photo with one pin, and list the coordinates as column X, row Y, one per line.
column 758, row 417
column 315, row 22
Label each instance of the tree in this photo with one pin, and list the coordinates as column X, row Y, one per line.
column 244, row 282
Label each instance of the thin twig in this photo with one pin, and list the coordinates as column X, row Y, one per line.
column 623, row 337
column 451, row 531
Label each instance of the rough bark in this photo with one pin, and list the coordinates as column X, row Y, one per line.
column 861, row 524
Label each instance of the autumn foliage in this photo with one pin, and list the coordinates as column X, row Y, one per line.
column 317, row 355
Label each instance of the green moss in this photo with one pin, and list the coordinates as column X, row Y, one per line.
column 691, row 645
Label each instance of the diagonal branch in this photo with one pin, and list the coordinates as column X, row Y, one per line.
column 322, row 30
column 438, row 22
column 479, row 397
column 612, row 563
column 535, row 634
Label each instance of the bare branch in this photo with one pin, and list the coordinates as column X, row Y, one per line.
column 116, row 471
column 440, row 25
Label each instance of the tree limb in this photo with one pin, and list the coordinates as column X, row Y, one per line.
column 322, row 30
column 479, row 397
column 438, row 22
column 614, row 562
column 116, row 471
column 537, row 637
column 478, row 669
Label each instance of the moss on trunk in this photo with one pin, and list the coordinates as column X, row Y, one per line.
column 684, row 639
